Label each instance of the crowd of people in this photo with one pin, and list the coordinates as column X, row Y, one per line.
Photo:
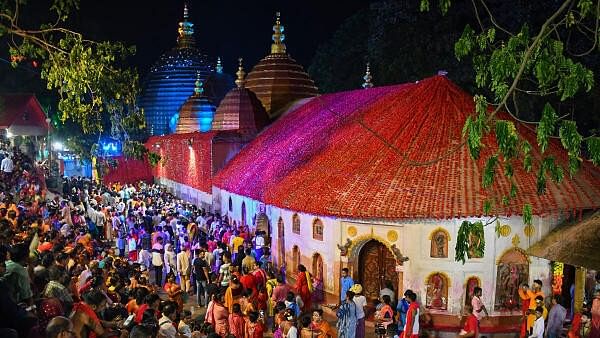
column 128, row 260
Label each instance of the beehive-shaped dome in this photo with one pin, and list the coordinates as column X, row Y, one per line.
column 241, row 110
column 278, row 79
column 197, row 112
column 218, row 84
column 171, row 80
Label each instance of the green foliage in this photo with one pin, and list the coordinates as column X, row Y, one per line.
column 90, row 77
column 571, row 141
column 507, row 138
column 154, row 158
column 527, row 214
column 527, row 159
column 593, row 148
column 546, row 127
column 475, row 129
column 470, row 241
column 134, row 149
column 489, row 171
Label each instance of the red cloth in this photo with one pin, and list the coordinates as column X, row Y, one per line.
column 248, row 282
column 471, row 325
column 408, row 327
column 255, row 330
column 88, row 311
column 236, row 325
column 128, row 171
column 302, row 290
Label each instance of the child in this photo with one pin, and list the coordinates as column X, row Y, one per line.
column 236, row 321
column 290, row 303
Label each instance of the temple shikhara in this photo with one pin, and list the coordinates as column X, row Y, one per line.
column 374, row 180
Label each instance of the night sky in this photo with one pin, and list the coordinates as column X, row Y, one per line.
column 222, row 28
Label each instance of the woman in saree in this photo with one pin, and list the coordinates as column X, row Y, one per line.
column 217, row 315
column 347, row 315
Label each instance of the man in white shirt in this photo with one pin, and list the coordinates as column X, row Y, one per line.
column 7, row 166
column 538, row 325
column 165, row 323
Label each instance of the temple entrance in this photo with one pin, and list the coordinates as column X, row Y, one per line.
column 377, row 265
column 317, row 272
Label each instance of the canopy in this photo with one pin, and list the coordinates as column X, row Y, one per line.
column 574, row 243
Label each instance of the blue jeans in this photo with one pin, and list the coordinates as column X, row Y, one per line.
column 201, row 292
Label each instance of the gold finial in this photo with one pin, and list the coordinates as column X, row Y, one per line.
column 185, row 11
column 185, row 30
column 199, row 89
column 240, row 81
column 219, row 68
column 367, row 78
column 278, row 47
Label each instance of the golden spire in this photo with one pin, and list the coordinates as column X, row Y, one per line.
column 219, row 68
column 185, row 30
column 367, row 78
column 199, row 89
column 240, row 81
column 278, row 47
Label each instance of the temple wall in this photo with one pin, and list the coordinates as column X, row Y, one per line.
column 411, row 238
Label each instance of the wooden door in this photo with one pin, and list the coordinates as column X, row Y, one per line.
column 377, row 264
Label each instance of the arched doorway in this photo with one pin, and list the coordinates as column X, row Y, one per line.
column 243, row 213
column 512, row 271
column 295, row 259
column 281, row 242
column 317, row 272
column 377, row 265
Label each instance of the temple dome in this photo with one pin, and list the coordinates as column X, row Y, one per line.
column 197, row 112
column 171, row 81
column 278, row 79
column 241, row 110
column 218, row 85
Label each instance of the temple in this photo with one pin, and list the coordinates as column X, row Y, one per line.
column 172, row 78
column 374, row 180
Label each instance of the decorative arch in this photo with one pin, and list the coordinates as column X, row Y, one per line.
column 439, row 243
column 360, row 241
column 318, row 276
column 512, row 271
column 439, row 229
column 243, row 222
column 437, row 286
column 470, row 283
column 296, row 224
column 317, row 229
column 295, row 258
column 281, row 241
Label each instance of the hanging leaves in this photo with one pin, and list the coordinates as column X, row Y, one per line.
column 593, row 148
column 546, row 127
column 507, row 138
column 527, row 214
column 470, row 241
column 571, row 141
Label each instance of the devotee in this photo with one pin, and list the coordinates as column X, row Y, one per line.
column 530, row 295
column 184, row 268
column 361, row 302
column 385, row 315
column 347, row 317
column 165, row 323
column 157, row 261
column 538, row 326
column 304, row 287
column 202, row 277
column 346, row 283
column 471, row 326
column 556, row 318
column 321, row 326
column 411, row 328
column 479, row 309
column 595, row 315
column 60, row 327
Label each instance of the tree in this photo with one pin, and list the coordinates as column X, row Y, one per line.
column 90, row 77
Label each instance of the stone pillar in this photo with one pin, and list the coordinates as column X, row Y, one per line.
column 579, row 287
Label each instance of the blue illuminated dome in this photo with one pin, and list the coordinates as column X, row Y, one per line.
column 171, row 81
column 197, row 112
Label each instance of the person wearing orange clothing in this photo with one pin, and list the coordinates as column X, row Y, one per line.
column 530, row 295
